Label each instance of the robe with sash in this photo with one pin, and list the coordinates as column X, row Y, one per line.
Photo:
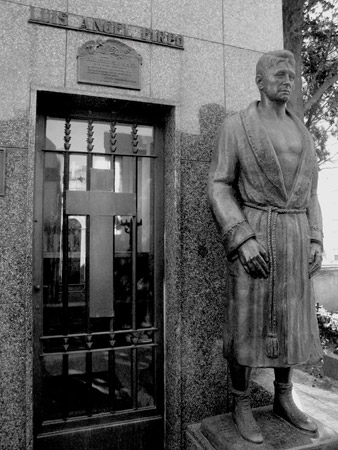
column 248, row 199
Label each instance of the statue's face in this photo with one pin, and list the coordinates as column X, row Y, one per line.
column 278, row 82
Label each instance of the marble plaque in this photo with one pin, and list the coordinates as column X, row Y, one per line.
column 109, row 63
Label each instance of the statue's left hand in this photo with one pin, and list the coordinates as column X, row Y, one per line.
column 315, row 259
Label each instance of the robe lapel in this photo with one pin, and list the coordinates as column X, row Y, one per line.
column 263, row 148
column 307, row 161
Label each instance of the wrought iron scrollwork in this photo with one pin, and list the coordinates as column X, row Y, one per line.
column 134, row 134
column 113, row 136
column 67, row 136
column 90, row 134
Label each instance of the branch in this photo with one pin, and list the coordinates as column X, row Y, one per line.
column 310, row 4
column 324, row 58
column 320, row 91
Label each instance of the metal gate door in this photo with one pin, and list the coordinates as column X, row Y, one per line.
column 98, row 345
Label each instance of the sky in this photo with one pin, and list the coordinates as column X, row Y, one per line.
column 328, row 198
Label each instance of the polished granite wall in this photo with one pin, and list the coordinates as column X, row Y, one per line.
column 213, row 76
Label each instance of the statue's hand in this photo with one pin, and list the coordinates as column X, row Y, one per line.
column 315, row 259
column 254, row 258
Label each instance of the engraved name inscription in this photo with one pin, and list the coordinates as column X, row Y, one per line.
column 53, row 18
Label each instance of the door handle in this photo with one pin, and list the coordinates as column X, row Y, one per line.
column 37, row 287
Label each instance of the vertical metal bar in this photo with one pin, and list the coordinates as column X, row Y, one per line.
column 89, row 356
column 65, row 274
column 134, row 378
column 65, row 387
column 114, row 171
column 89, row 368
column 89, row 165
column 133, row 232
column 87, row 311
column 112, row 167
column 88, row 188
column 65, row 229
column 154, row 374
column 111, row 378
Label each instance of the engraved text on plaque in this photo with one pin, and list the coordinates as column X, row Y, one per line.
column 109, row 63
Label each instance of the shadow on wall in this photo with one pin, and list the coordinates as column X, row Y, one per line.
column 200, row 146
column 203, row 279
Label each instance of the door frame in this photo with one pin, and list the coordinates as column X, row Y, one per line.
column 60, row 104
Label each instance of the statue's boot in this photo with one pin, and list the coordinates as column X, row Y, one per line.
column 243, row 418
column 285, row 407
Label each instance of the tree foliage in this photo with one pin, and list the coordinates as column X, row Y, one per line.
column 311, row 32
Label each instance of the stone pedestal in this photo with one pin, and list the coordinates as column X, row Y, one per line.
column 220, row 433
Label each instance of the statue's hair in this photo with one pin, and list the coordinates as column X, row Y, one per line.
column 273, row 58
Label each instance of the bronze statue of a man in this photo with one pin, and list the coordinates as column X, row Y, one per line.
column 263, row 194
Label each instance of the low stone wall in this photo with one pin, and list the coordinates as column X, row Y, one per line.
column 326, row 288
column 331, row 365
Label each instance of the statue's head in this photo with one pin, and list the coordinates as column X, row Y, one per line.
column 272, row 59
column 275, row 74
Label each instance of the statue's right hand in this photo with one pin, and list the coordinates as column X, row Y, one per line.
column 254, row 258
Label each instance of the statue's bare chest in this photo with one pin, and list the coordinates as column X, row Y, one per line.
column 287, row 142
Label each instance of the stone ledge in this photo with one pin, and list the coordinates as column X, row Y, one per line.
column 219, row 433
column 331, row 365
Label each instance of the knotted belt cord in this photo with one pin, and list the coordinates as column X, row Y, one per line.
column 272, row 345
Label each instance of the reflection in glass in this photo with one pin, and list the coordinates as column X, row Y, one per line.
column 124, row 174
column 78, row 133
column 145, row 290
column 102, row 137
column 77, row 273
column 101, row 180
column 52, row 387
column 145, row 204
column 76, row 395
column 100, row 382
column 53, row 188
column 124, row 138
column 77, row 172
column 145, row 377
column 145, row 247
column 123, row 370
column 145, row 140
column 52, row 242
column 122, row 272
column 55, row 130
column 101, row 162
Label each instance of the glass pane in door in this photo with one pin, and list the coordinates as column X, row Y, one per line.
column 145, row 244
column 54, row 134
column 52, row 242
column 123, row 272
column 77, row 274
column 98, row 346
column 77, row 172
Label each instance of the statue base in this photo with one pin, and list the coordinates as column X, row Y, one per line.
column 220, row 433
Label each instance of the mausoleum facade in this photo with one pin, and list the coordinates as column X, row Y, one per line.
column 112, row 278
